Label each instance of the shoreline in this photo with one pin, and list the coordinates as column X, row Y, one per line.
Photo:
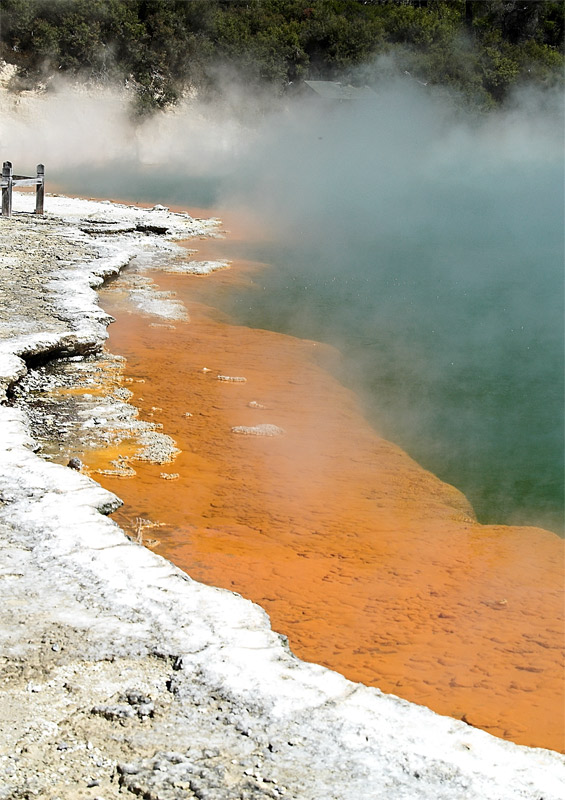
column 384, row 574
column 203, row 663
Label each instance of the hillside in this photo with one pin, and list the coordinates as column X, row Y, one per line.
column 164, row 48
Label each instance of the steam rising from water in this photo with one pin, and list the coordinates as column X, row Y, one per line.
column 429, row 247
column 425, row 242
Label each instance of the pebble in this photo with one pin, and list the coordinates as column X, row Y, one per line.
column 258, row 430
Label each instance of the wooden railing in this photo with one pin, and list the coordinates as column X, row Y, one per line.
column 9, row 180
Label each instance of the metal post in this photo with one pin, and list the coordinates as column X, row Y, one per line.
column 7, row 189
column 40, row 189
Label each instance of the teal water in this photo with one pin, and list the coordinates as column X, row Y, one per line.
column 468, row 379
column 431, row 253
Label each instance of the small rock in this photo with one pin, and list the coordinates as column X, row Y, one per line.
column 135, row 697
column 127, row 769
column 113, row 712
column 258, row 430
column 174, row 757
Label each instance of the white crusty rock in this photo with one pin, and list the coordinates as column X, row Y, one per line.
column 198, row 267
column 50, row 266
column 265, row 429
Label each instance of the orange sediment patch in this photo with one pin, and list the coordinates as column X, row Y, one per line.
column 369, row 564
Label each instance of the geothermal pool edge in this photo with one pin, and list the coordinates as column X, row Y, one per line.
column 122, row 673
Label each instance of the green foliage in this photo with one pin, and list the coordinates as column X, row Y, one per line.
column 483, row 49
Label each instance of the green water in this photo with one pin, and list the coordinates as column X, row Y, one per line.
column 467, row 379
column 429, row 247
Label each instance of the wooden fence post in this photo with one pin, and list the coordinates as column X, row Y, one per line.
column 40, row 189
column 7, row 189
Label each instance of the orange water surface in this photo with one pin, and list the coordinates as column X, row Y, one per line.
column 368, row 563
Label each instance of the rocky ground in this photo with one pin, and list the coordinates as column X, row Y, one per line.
column 119, row 675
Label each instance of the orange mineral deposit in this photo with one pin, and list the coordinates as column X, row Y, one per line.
column 368, row 563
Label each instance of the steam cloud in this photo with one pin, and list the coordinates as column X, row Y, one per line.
column 424, row 241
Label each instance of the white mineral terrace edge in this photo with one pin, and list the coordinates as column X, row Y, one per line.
column 142, row 680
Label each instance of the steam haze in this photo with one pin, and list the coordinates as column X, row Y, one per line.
column 427, row 243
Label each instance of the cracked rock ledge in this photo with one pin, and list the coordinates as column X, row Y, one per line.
column 120, row 676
